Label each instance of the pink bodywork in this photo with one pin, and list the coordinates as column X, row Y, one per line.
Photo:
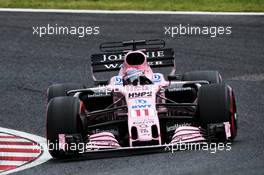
column 102, row 140
column 185, row 134
column 142, row 113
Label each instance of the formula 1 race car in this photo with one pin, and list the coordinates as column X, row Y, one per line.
column 138, row 108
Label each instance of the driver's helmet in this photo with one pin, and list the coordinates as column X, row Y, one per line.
column 132, row 77
column 135, row 77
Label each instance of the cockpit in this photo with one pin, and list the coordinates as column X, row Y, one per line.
column 136, row 77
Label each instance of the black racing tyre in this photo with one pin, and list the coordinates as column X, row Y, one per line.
column 216, row 104
column 60, row 89
column 213, row 77
column 62, row 117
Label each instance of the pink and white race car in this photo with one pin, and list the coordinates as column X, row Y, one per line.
column 138, row 109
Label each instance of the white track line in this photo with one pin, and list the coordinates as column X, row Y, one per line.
column 16, row 163
column 39, row 160
column 20, row 154
column 13, row 140
column 20, row 146
column 125, row 12
column 4, row 134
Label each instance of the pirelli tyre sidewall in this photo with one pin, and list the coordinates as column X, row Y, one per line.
column 62, row 117
column 216, row 104
column 213, row 77
column 60, row 89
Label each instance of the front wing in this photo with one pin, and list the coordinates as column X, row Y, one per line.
column 103, row 145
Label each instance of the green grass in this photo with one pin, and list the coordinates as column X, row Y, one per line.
column 173, row 5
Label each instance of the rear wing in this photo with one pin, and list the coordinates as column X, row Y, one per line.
column 113, row 54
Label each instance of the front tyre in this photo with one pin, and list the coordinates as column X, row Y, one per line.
column 216, row 105
column 62, row 118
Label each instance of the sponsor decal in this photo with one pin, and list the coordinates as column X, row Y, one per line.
column 119, row 65
column 155, row 54
column 137, row 88
column 176, row 89
column 143, row 122
column 118, row 80
column 100, row 95
column 112, row 57
column 141, row 104
column 112, row 66
column 156, row 77
column 175, row 126
column 155, row 63
column 140, row 101
column 139, row 94
column 113, row 131
column 144, row 132
column 117, row 57
column 143, row 126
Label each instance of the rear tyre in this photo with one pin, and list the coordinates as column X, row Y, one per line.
column 62, row 118
column 213, row 77
column 60, row 89
column 216, row 104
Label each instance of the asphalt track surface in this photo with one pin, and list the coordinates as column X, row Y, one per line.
column 28, row 64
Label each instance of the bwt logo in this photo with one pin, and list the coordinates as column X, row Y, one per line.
column 141, row 101
column 141, row 104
